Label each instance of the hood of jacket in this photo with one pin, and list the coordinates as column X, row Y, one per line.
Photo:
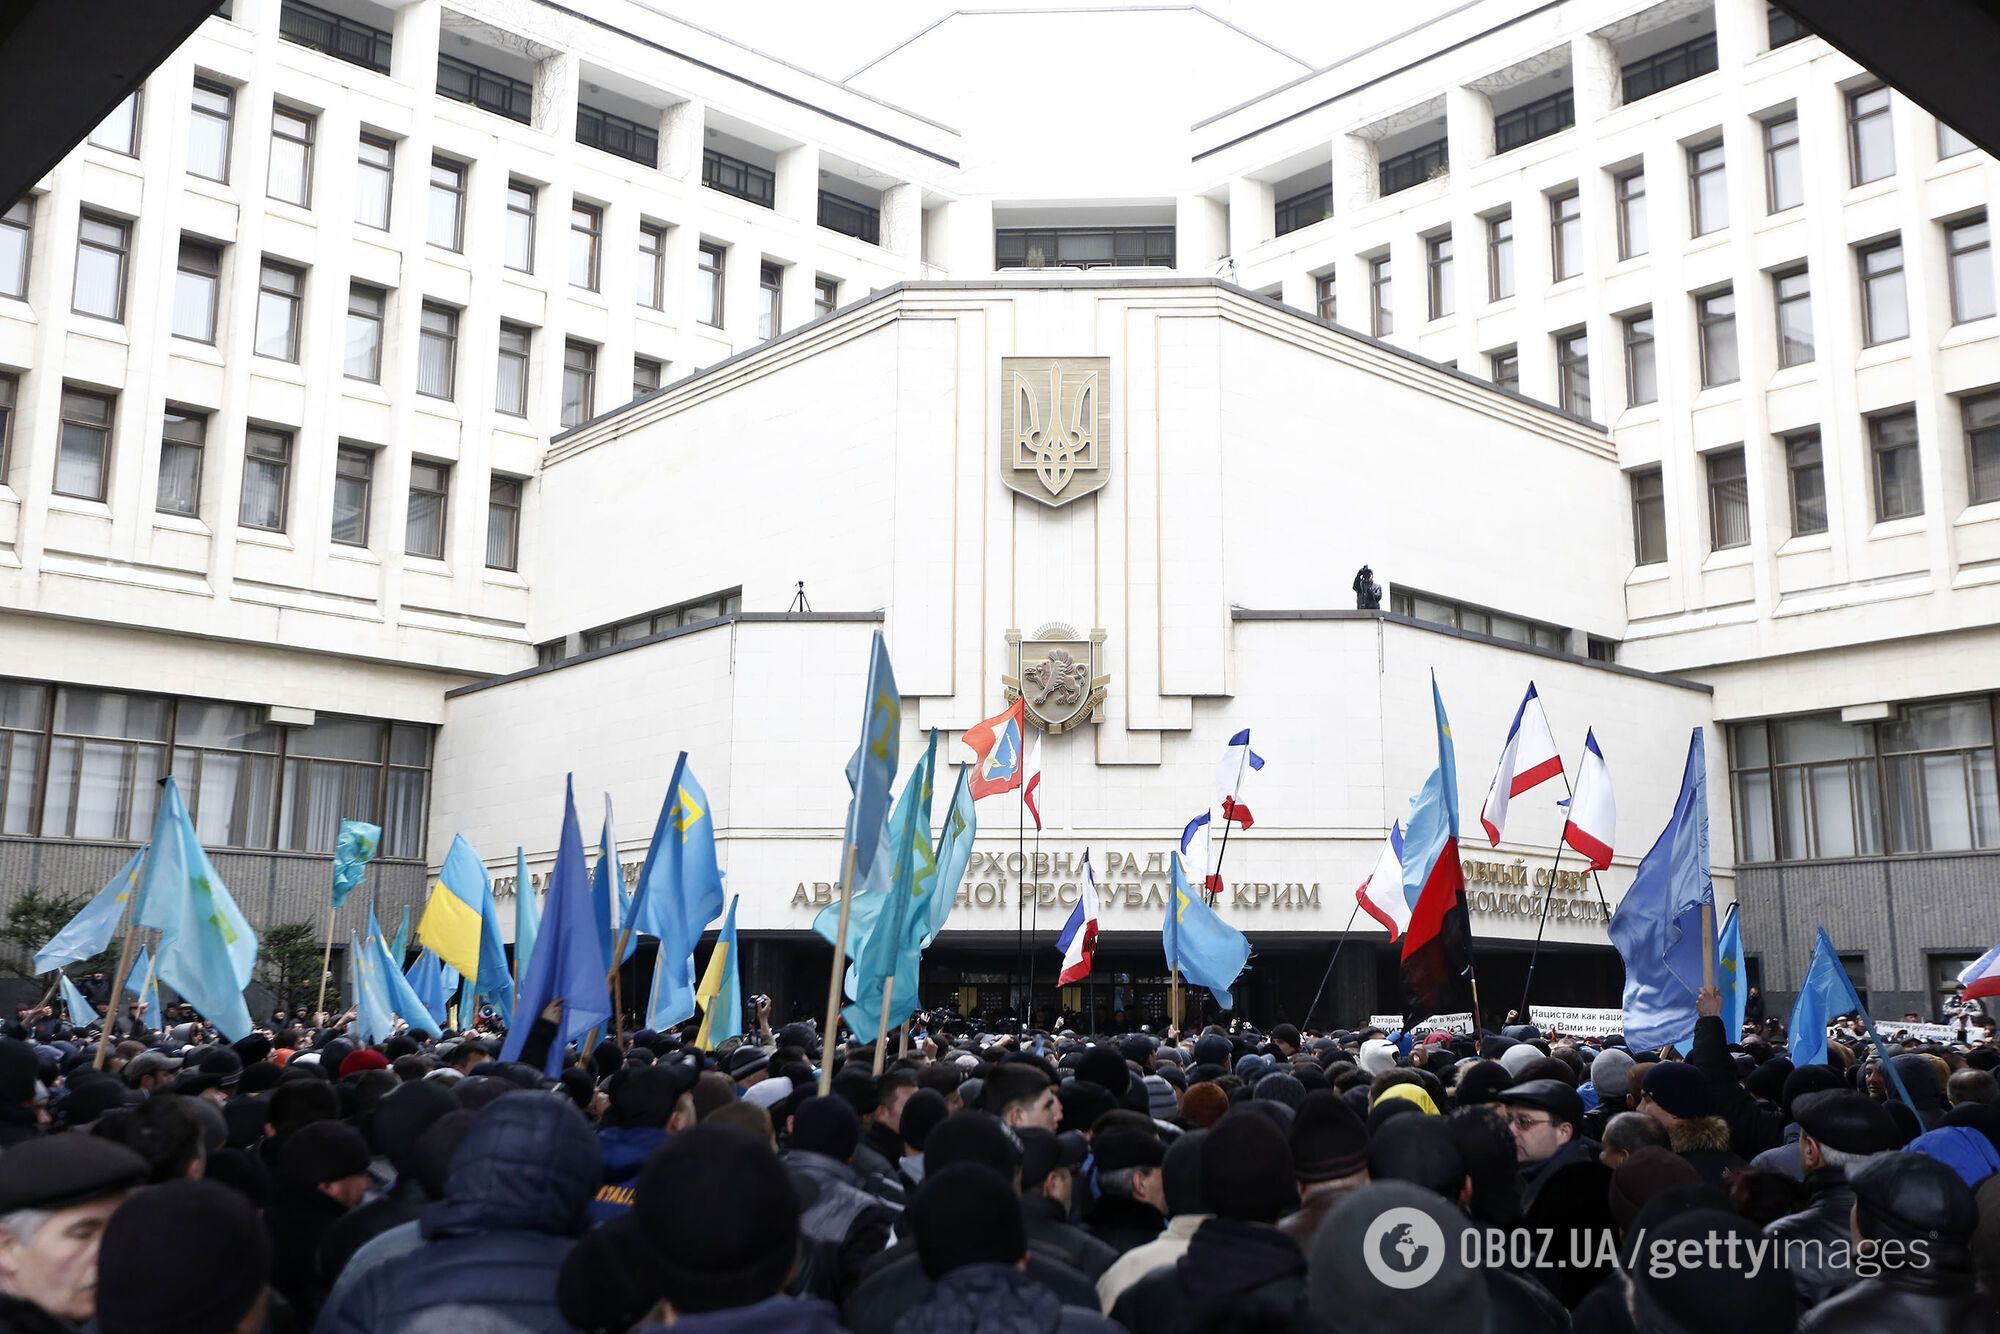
column 984, row 1299
column 1226, row 1256
column 529, row 1163
column 625, row 1149
column 1699, row 1134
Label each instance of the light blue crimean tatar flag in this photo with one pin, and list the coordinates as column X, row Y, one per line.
column 404, row 1001
column 569, row 957
column 1210, row 951
column 890, row 946
column 374, row 1017
column 679, row 894
column 207, row 949
column 1657, row 927
column 961, row 826
column 872, row 770
column 1731, row 978
column 426, row 981
column 90, row 931
column 80, row 1012
column 399, row 948
column 607, row 888
column 527, row 916
column 353, row 848
column 143, row 985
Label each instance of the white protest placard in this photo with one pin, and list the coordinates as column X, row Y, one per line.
column 1916, row 1032
column 1575, row 1021
column 1450, row 1023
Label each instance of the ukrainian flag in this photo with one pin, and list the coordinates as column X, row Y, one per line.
column 720, row 994
column 452, row 920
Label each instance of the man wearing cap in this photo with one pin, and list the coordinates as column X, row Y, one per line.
column 151, row 1071
column 1330, row 1155
column 56, row 1195
column 1048, row 1166
column 1839, row 1130
column 1914, row 1218
column 1546, row 1116
column 1180, row 1176
column 1678, row 1096
column 647, row 1104
column 231, row 1298
column 843, row 1218
column 322, row 1174
column 1131, row 1201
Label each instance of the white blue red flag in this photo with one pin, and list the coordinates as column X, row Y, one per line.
column 996, row 746
column 1233, row 775
column 1593, row 814
column 1078, row 941
column 1982, row 977
column 1195, row 852
column 1381, row 895
column 1528, row 760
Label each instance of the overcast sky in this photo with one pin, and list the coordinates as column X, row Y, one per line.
column 832, row 37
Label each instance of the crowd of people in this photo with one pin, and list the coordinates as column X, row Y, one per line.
column 1005, row 1181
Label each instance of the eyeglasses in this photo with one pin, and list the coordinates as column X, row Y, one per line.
column 1527, row 1120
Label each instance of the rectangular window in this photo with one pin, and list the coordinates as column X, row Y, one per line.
column 1565, row 235
column 850, row 217
column 1950, row 143
column 83, row 451
column 1981, row 419
column 1885, row 311
column 447, row 215
column 366, row 308
column 290, row 175
column 1715, row 323
column 708, row 288
column 1708, row 189
column 1899, row 481
column 374, row 181
column 1728, row 500
column 1784, row 173
column 1573, row 371
column 423, row 535
column 1438, row 263
column 1381, row 296
column 826, row 296
column 1871, row 145
column 182, row 435
column 10, row 387
column 335, row 35
column 1499, row 257
column 1536, row 120
column 510, row 393
column 586, row 228
column 734, row 176
column 1303, row 209
column 208, row 130
column 102, row 245
column 24, row 712
column 17, row 229
column 1649, row 517
column 1629, row 191
column 645, row 375
column 1782, row 27
column 1642, row 381
column 770, row 299
column 353, row 481
column 197, row 286
column 503, row 524
column 1083, row 247
column 119, row 131
column 1805, row 787
column 520, row 240
column 1665, row 69
column 105, row 761
column 280, row 293
column 1792, row 292
column 650, row 279
column 1423, row 163
column 1937, row 764
column 463, row 81
column 1476, row 619
column 437, row 351
column 1805, row 470
column 1969, row 254
column 267, row 468
column 617, row 135
column 579, row 391
column 1506, row 368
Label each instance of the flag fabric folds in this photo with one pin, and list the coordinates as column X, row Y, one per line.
column 890, row 946
column 1195, row 852
column 961, row 825
column 90, row 931
column 374, row 1014
column 1030, row 796
column 1078, row 941
column 1592, row 824
column 207, row 949
column 404, row 1001
column 1232, row 776
column 1657, row 928
column 679, row 894
column 1981, row 977
column 426, row 981
column 1732, row 979
column 453, row 920
column 143, row 985
column 1210, row 952
column 1437, row 944
column 569, row 961
column 608, row 902
column 996, row 745
column 399, row 948
column 872, row 770
column 720, row 994
column 1825, row 994
column 1381, row 894
column 527, row 915
column 1527, row 760
column 353, row 848
column 80, row 1012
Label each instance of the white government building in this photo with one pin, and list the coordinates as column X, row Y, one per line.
column 322, row 483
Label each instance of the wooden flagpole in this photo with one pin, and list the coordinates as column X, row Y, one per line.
column 833, row 976
column 882, row 1025
column 118, row 978
column 325, row 966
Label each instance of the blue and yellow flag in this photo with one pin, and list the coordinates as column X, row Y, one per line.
column 353, row 848
column 872, row 770
column 680, row 893
column 961, row 826
column 453, row 920
column 207, row 949
column 569, row 960
column 527, row 916
column 720, row 994
column 1211, row 953
column 1731, row 978
column 80, row 1012
column 90, row 931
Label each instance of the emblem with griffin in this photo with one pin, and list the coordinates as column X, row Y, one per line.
column 1059, row 678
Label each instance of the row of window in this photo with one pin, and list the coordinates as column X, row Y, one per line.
column 1896, row 478
column 1814, row 786
column 86, row 764
column 694, row 610
column 1478, row 620
column 83, row 468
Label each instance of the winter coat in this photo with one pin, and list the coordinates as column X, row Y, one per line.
column 1122, row 1224
column 773, row 1315
column 625, row 1150
column 21, row 1316
column 1824, row 1224
column 843, row 1218
column 888, row 1293
column 1050, row 1232
column 1935, row 1300
column 997, row 1299
column 1753, row 1124
column 1704, row 1142
column 298, row 1219
column 1232, row 1271
column 515, row 1199
column 1316, row 1201
column 1140, row 1261
column 404, row 1203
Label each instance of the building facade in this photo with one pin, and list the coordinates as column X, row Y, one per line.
column 1698, row 324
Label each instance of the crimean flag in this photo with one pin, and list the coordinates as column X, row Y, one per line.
column 1209, row 951
column 720, row 994
column 1437, row 946
column 80, row 1012
column 872, row 769
column 569, row 957
column 1657, row 928
column 961, row 826
column 527, row 916
column 452, row 920
column 1078, row 941
column 1381, row 894
column 1527, row 760
column 996, row 746
column 1592, row 826
column 1981, row 977
column 1232, row 777
column 1195, row 853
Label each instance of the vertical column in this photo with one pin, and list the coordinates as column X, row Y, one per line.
column 798, row 184
column 903, row 226
column 557, row 81
column 1355, row 184
column 680, row 142
column 1468, row 126
column 413, row 49
column 1596, row 84
column 1251, row 218
column 1201, row 233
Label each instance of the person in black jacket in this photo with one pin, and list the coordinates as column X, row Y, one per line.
column 322, row 1175
column 1914, row 1211
column 843, row 1217
column 1838, row 1130
column 1132, row 1198
column 1048, row 1164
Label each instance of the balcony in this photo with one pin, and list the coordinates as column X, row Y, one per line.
column 1304, row 209
column 1083, row 247
column 837, row 213
column 335, row 35
column 1664, row 69
column 489, row 90
column 618, row 135
column 1534, row 120
column 734, row 176
column 1415, row 166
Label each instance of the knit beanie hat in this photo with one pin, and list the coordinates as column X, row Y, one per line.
column 1203, row 1104
column 1180, row 1174
column 1479, row 1082
column 1642, row 1176
column 923, row 1112
column 972, row 1137
column 1680, row 1088
column 825, row 1125
column 1673, row 1297
column 966, row 1214
column 1608, row 1072
column 1281, row 1087
column 403, row 1115
column 1247, row 1171
column 1328, row 1140
column 739, row 1246
column 1518, row 1058
column 1355, row 1248
column 1378, row 1055
column 321, row 1152
column 129, row 1297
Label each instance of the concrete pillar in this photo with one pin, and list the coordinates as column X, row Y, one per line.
column 1597, row 85
column 557, row 84
column 903, row 225
column 1468, row 126
column 413, row 48
column 1742, row 30
column 968, row 233
column 1201, row 234
column 1252, row 216
column 1355, row 182
column 798, row 184
column 740, row 297
column 681, row 141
